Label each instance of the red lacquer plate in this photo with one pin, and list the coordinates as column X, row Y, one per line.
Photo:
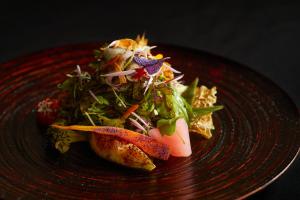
column 255, row 140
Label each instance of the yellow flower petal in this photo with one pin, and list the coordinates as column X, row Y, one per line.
column 158, row 56
column 141, row 40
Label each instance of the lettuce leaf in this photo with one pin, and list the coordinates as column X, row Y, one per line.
column 189, row 93
column 170, row 109
column 207, row 110
column 167, row 126
column 116, row 122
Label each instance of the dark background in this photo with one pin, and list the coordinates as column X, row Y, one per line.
column 264, row 36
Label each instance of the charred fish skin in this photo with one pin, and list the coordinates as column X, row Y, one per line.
column 119, row 151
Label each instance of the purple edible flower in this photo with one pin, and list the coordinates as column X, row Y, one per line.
column 152, row 69
column 151, row 66
column 144, row 61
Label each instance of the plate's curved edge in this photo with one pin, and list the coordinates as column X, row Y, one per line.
column 272, row 180
column 51, row 48
column 230, row 61
column 221, row 58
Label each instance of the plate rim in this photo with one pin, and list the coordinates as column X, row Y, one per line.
column 27, row 56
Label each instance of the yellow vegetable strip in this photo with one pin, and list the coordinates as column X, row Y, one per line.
column 148, row 144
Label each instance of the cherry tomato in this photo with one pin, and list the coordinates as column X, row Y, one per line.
column 47, row 111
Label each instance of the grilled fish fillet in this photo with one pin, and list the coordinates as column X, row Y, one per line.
column 120, row 151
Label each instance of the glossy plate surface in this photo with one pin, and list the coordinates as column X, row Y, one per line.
column 255, row 140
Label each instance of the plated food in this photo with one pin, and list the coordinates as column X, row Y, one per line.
column 255, row 138
column 130, row 105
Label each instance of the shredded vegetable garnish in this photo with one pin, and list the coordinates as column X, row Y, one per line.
column 79, row 74
column 90, row 119
column 140, row 119
column 137, row 93
column 135, row 123
column 122, row 73
column 130, row 111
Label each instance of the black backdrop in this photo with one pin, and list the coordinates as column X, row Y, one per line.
column 264, row 36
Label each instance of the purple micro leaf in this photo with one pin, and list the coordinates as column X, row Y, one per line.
column 144, row 61
column 151, row 66
column 154, row 68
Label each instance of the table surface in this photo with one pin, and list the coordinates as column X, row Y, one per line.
column 264, row 36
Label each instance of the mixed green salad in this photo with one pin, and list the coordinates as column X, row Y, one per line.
column 128, row 91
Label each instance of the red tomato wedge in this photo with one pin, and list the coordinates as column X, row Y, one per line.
column 148, row 144
column 47, row 111
column 179, row 143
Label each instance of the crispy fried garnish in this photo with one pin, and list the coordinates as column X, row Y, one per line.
column 166, row 71
column 204, row 97
column 126, row 43
column 141, row 40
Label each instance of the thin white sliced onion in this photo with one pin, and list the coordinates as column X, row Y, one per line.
column 79, row 74
column 94, row 96
column 112, row 43
column 152, row 47
column 174, row 70
column 136, row 124
column 177, row 78
column 78, row 70
column 69, row 75
column 148, row 84
column 110, row 53
column 122, row 73
column 144, row 48
column 141, row 119
column 156, row 84
column 108, row 81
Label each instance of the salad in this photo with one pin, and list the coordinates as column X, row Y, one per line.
column 130, row 105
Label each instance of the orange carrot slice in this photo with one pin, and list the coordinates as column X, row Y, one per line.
column 148, row 144
column 130, row 110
